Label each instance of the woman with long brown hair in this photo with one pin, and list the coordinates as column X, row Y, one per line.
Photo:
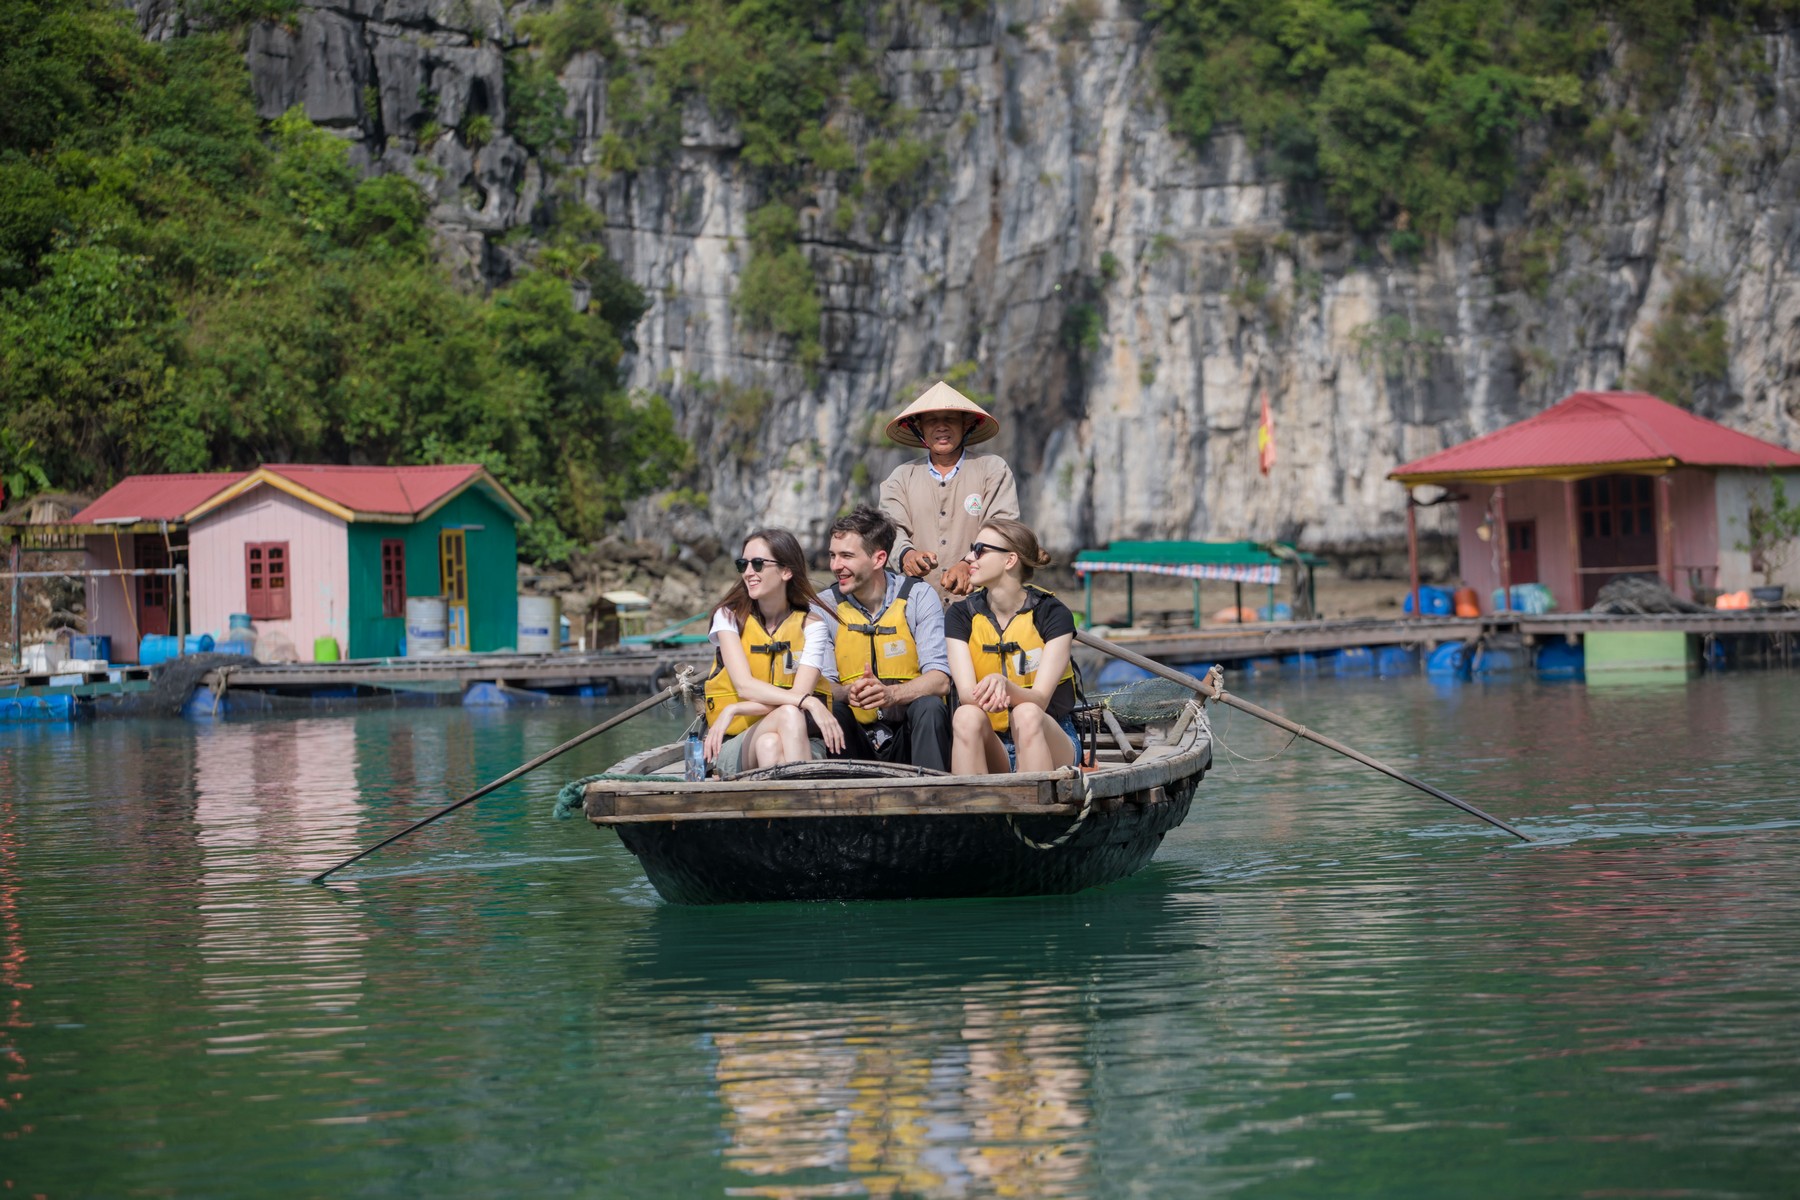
column 1009, row 645
column 771, row 650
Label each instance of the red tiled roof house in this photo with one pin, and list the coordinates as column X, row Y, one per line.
column 1601, row 485
column 310, row 552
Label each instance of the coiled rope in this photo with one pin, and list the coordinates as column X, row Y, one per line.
column 1087, row 807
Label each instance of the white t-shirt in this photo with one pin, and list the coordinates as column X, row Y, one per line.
column 814, row 653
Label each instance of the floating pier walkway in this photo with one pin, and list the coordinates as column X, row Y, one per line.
column 222, row 685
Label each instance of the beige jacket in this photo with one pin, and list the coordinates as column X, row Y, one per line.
column 943, row 518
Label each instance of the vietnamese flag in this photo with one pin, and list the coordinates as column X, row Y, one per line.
column 1265, row 437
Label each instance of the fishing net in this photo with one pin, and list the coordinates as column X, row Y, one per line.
column 1635, row 594
column 1145, row 701
column 175, row 680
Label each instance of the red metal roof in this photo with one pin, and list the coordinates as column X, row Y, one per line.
column 1598, row 429
column 156, row 497
column 370, row 491
column 397, row 491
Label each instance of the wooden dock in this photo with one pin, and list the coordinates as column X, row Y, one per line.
column 1239, row 643
column 615, row 670
column 1766, row 636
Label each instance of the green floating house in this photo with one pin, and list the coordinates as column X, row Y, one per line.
column 313, row 552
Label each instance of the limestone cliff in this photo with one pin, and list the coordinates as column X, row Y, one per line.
column 1124, row 296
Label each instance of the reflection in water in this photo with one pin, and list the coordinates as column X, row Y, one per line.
column 982, row 1094
column 1323, row 986
column 285, row 967
column 941, row 1050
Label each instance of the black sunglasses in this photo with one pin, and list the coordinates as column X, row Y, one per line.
column 758, row 563
column 980, row 548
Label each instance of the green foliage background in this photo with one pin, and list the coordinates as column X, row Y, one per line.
column 1406, row 115
column 184, row 287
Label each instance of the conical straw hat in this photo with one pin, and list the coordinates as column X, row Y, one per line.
column 941, row 397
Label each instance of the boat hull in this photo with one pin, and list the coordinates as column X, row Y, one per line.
column 903, row 857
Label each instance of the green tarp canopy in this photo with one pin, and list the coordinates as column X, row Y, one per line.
column 1234, row 562
column 1238, row 562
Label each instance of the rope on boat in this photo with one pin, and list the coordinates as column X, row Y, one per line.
column 1293, row 737
column 569, row 798
column 1087, row 806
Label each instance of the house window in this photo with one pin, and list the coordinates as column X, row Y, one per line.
column 393, row 577
column 266, row 590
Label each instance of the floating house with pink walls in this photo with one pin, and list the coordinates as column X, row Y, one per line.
column 1602, row 485
column 311, row 552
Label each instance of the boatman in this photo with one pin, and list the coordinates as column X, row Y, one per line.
column 892, row 673
column 939, row 502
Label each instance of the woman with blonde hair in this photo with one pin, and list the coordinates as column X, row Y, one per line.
column 771, row 650
column 1009, row 646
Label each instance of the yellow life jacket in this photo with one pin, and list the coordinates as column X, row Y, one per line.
column 1014, row 652
column 886, row 641
column 772, row 660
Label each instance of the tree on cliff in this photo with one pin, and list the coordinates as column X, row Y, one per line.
column 185, row 288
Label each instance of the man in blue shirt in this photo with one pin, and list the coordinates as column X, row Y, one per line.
column 887, row 670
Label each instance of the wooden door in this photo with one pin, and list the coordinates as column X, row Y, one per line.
column 1618, row 530
column 1521, row 550
column 154, row 597
column 453, row 559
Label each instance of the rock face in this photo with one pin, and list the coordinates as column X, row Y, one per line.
column 1125, row 297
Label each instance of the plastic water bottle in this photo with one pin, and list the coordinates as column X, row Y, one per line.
column 696, row 758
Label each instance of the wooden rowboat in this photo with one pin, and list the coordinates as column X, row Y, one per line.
column 844, row 830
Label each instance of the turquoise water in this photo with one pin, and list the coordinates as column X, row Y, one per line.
column 1323, row 986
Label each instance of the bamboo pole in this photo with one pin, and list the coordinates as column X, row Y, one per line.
column 1220, row 694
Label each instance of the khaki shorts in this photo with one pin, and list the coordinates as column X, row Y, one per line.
column 731, row 754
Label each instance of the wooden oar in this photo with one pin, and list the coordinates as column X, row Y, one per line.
column 635, row 710
column 1263, row 714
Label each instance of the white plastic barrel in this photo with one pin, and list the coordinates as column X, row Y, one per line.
column 540, row 624
column 427, row 625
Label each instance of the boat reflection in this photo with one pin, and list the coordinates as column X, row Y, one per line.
column 849, row 1067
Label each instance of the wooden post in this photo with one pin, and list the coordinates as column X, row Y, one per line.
column 1130, row 598
column 1196, row 602
column 1665, row 529
column 180, row 582
column 1237, row 591
column 1412, row 549
column 1572, row 514
column 1087, row 590
column 1505, row 547
column 18, row 631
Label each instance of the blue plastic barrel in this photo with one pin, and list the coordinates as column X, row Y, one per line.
column 1356, row 660
column 1495, row 662
column 1304, row 663
column 1448, row 662
column 1561, row 660
column 160, row 647
column 1433, row 601
column 1396, row 660
column 91, row 645
column 239, row 620
column 1117, row 674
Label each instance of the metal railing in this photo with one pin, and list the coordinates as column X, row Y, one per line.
column 179, row 573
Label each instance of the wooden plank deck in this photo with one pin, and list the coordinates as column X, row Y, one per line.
column 625, row 668
column 1232, row 642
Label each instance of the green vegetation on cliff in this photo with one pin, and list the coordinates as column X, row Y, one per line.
column 185, row 288
column 1408, row 115
column 794, row 80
